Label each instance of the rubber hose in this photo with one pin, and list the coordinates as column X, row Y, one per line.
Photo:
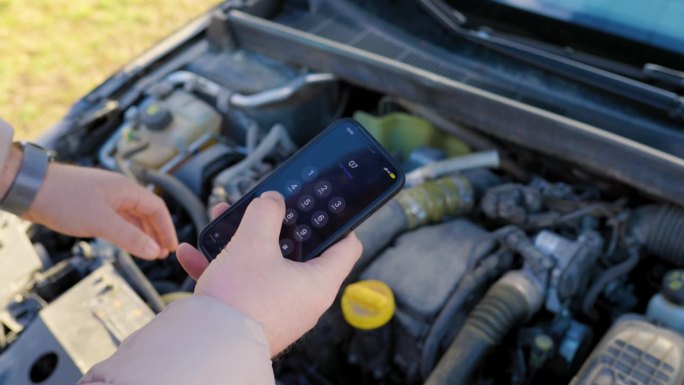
column 139, row 282
column 473, row 284
column 481, row 181
column 664, row 233
column 609, row 275
column 276, row 136
column 391, row 220
column 186, row 198
column 181, row 194
column 500, row 310
column 378, row 231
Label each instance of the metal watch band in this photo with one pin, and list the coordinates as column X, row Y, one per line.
column 28, row 180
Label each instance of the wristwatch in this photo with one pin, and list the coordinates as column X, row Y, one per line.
column 29, row 179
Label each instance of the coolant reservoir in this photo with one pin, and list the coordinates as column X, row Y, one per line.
column 165, row 127
column 667, row 307
column 368, row 304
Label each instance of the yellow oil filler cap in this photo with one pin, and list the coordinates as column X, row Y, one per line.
column 367, row 304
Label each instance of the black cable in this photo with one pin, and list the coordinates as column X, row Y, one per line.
column 474, row 282
column 186, row 198
column 609, row 275
column 139, row 281
column 181, row 194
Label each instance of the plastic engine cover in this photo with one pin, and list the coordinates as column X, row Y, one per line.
column 424, row 266
column 635, row 352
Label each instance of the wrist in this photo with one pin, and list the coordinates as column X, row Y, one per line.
column 10, row 170
column 26, row 180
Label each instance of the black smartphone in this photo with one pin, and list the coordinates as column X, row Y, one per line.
column 330, row 186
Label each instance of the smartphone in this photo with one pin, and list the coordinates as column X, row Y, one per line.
column 330, row 186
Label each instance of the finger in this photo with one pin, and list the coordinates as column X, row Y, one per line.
column 132, row 219
column 153, row 231
column 130, row 238
column 219, row 209
column 262, row 220
column 150, row 205
column 147, row 227
column 163, row 225
column 336, row 262
column 192, row 261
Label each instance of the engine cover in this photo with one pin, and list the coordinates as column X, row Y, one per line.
column 424, row 269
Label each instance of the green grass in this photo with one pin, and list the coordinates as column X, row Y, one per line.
column 54, row 51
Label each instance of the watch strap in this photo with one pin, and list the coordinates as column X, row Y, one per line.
column 28, row 180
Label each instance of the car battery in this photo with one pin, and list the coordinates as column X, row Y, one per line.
column 79, row 329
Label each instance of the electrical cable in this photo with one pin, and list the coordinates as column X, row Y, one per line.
column 139, row 281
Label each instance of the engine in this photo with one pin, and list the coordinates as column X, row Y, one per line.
column 495, row 265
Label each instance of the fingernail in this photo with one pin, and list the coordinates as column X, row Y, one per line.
column 272, row 195
column 151, row 250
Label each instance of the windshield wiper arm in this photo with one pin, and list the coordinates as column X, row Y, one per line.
column 646, row 94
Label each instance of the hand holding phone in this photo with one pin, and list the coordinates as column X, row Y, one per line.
column 330, row 186
column 286, row 298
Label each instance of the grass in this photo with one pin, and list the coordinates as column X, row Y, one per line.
column 54, row 51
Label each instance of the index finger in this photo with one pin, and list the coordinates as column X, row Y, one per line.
column 152, row 206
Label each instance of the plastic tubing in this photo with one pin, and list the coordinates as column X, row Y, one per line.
column 478, row 160
column 276, row 136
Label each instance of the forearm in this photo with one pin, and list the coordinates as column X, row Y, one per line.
column 197, row 340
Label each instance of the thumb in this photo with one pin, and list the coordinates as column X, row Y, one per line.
column 130, row 238
column 192, row 261
column 262, row 221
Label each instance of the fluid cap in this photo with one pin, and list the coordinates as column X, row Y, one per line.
column 154, row 115
column 368, row 304
column 673, row 287
column 542, row 347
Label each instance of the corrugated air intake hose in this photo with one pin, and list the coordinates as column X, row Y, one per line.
column 661, row 231
column 505, row 306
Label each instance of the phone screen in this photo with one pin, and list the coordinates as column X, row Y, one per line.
column 329, row 186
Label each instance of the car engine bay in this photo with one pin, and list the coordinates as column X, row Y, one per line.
column 498, row 263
